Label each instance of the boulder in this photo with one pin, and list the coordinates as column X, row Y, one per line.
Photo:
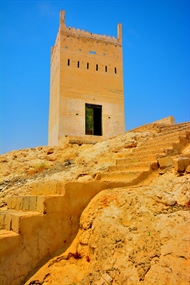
column 165, row 162
column 188, row 169
column 181, row 163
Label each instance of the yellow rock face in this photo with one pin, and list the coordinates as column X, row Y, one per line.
column 115, row 212
column 127, row 236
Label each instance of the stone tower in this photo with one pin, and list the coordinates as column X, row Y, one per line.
column 86, row 86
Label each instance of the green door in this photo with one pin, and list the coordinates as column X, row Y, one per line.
column 89, row 120
column 93, row 120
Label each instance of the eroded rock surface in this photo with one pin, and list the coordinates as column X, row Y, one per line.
column 19, row 169
column 132, row 235
column 134, row 231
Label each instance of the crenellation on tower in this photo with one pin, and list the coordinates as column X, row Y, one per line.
column 62, row 18
column 81, row 33
column 119, row 32
column 86, row 86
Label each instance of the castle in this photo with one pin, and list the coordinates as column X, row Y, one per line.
column 86, row 86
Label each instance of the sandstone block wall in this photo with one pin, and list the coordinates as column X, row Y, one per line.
column 35, row 227
column 168, row 120
column 85, row 69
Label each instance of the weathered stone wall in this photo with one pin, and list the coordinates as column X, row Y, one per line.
column 85, row 69
column 35, row 227
column 54, row 91
column 168, row 120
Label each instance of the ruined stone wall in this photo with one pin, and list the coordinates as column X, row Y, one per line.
column 35, row 227
column 90, row 72
column 168, row 120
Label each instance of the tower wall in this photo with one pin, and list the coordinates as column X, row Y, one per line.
column 53, row 132
column 85, row 69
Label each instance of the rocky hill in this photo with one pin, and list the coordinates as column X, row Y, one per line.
column 116, row 212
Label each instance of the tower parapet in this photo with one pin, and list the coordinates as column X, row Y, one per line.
column 81, row 33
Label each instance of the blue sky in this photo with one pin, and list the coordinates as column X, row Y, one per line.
column 156, row 60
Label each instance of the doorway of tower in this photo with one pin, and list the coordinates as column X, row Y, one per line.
column 93, row 120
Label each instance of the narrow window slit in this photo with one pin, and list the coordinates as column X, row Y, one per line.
column 115, row 69
column 106, row 68
column 78, row 64
column 87, row 66
column 96, row 67
column 68, row 62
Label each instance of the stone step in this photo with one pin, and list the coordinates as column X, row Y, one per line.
column 87, row 139
column 26, row 203
column 129, row 177
column 168, row 149
column 148, row 153
column 9, row 240
column 139, row 166
column 172, row 137
column 41, row 204
column 167, row 132
column 139, row 158
column 171, row 149
column 174, row 126
column 165, row 139
column 17, row 221
column 154, row 147
column 53, row 187
column 162, row 128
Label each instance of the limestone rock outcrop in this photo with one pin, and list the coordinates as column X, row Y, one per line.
column 116, row 212
column 131, row 235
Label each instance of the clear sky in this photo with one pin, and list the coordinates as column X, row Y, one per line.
column 156, row 60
